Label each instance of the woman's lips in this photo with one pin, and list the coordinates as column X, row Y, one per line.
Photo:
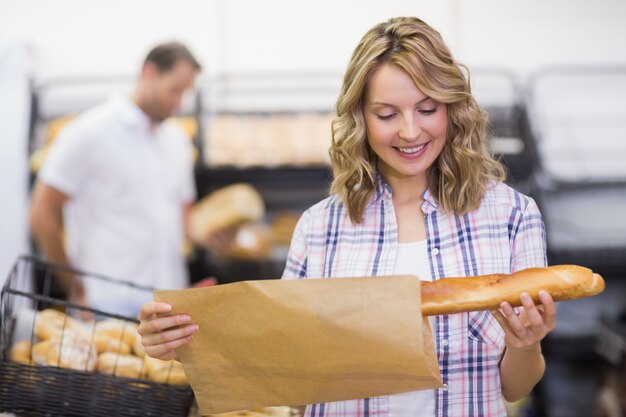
column 412, row 152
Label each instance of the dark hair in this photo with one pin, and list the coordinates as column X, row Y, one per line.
column 165, row 55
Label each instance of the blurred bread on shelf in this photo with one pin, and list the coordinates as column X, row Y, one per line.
column 54, row 126
column 224, row 208
column 188, row 124
column 268, row 140
column 282, row 226
column 252, row 241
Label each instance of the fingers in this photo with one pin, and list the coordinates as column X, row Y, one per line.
column 161, row 345
column 161, row 324
column 549, row 309
column 206, row 282
column 162, row 334
column 533, row 323
column 168, row 356
column 151, row 308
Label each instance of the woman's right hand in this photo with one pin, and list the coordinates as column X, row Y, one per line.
column 161, row 333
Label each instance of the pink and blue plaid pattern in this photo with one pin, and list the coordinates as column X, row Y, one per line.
column 505, row 234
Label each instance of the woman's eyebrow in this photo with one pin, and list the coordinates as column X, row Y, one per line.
column 379, row 103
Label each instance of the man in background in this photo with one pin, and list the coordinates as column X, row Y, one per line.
column 114, row 194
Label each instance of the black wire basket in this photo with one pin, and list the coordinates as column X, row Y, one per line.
column 29, row 389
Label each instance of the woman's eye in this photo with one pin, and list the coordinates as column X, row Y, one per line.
column 428, row 111
column 385, row 116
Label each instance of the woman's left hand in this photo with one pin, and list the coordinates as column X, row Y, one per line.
column 526, row 330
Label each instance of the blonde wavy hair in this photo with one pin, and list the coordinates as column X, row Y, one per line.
column 459, row 177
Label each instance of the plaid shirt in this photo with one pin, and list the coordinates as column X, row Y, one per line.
column 505, row 234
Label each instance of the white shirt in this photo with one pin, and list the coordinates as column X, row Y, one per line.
column 127, row 183
column 412, row 259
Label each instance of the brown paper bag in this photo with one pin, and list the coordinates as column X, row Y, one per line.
column 266, row 343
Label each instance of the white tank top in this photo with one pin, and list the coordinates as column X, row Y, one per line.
column 412, row 259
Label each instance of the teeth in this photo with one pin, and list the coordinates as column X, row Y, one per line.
column 411, row 150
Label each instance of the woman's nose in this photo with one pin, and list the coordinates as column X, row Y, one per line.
column 409, row 128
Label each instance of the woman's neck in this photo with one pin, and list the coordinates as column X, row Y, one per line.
column 407, row 190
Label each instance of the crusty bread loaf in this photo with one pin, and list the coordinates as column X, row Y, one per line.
column 116, row 330
column 127, row 366
column 487, row 292
column 105, row 343
column 51, row 323
column 72, row 350
column 226, row 207
column 165, row 372
column 20, row 352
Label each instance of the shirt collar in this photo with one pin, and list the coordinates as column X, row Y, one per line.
column 382, row 190
column 131, row 114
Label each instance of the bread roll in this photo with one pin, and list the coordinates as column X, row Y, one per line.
column 165, row 372
column 51, row 323
column 487, row 292
column 224, row 208
column 20, row 352
column 116, row 330
column 127, row 366
column 72, row 351
column 106, row 343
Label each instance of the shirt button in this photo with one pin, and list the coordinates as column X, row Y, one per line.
column 444, row 342
column 435, row 251
column 445, row 387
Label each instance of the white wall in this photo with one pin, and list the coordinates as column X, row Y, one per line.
column 532, row 34
column 14, row 114
column 308, row 36
column 72, row 37
column 75, row 37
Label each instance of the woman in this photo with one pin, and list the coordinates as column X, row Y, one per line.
column 415, row 191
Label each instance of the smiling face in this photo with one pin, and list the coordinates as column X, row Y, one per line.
column 405, row 128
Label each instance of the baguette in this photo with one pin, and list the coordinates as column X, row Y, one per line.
column 487, row 292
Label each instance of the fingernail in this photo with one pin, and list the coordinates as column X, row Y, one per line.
column 193, row 328
column 543, row 293
column 184, row 319
column 166, row 308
